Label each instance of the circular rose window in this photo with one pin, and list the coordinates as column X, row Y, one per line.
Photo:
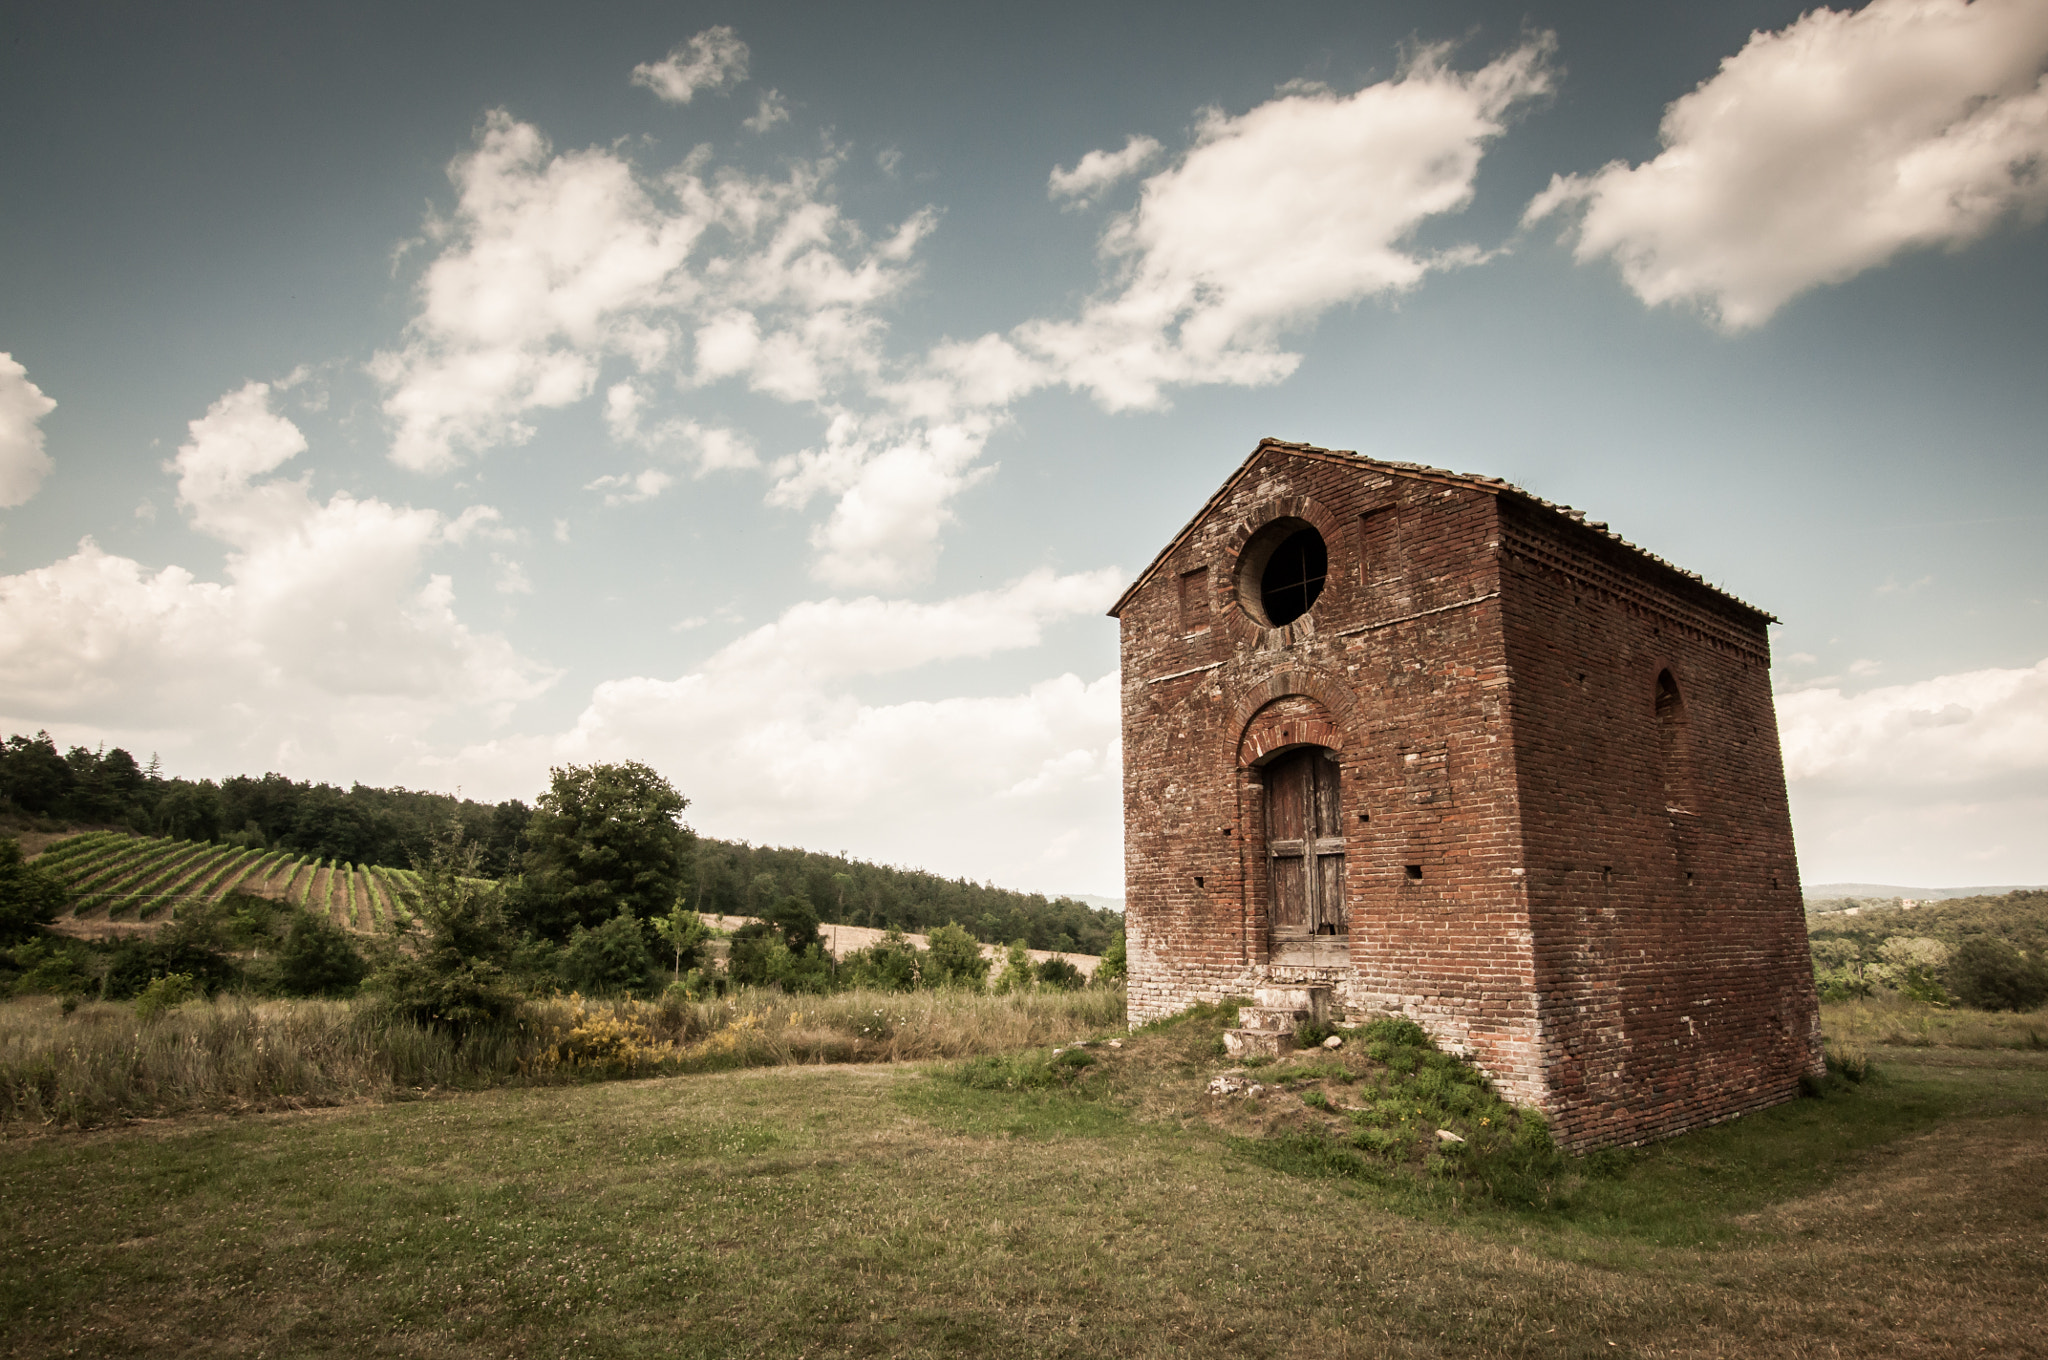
column 1281, row 572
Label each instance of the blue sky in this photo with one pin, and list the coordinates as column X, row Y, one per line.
column 780, row 394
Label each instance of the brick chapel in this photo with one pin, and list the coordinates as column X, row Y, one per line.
column 1450, row 751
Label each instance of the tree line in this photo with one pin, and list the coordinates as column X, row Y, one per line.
column 397, row 828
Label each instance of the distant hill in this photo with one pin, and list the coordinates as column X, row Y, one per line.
column 1824, row 891
column 1115, row 904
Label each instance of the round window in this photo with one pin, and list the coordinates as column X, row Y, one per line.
column 1281, row 572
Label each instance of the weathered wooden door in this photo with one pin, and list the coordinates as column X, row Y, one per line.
column 1305, row 848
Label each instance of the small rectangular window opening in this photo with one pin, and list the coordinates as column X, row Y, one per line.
column 1688, row 878
column 1607, row 873
column 1365, row 816
column 1194, row 600
column 1415, row 871
column 1198, row 880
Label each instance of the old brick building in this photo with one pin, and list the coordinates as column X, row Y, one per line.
column 1457, row 753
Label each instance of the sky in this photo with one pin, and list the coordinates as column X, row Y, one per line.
column 779, row 394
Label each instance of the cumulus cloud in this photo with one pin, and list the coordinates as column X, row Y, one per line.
column 1307, row 202
column 551, row 265
column 327, row 638
column 620, row 489
column 1923, row 782
column 1098, row 170
column 23, row 463
column 715, row 59
column 773, row 109
column 768, row 743
column 1825, row 149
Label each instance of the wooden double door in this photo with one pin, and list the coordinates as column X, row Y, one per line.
column 1305, row 854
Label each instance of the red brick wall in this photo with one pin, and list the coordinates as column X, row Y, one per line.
column 1549, row 934
column 1670, row 945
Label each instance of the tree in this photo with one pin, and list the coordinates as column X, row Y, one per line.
column 612, row 957
column 446, row 967
column 684, row 932
column 1060, row 975
column 318, row 959
column 1018, row 975
column 1991, row 975
column 1114, row 966
column 955, row 959
column 29, row 898
column 603, row 840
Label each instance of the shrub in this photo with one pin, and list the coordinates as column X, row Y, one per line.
column 614, row 957
column 1018, row 975
column 955, row 959
column 1991, row 975
column 318, row 959
column 29, row 898
column 1060, row 974
column 444, row 969
column 890, row 964
column 1115, row 964
column 162, row 993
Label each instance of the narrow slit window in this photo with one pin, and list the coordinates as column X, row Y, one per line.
column 1194, row 600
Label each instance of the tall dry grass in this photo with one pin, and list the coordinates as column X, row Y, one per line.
column 1898, row 1021
column 103, row 1062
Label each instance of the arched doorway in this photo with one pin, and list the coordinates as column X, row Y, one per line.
column 1305, row 857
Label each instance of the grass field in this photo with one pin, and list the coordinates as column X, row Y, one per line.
column 900, row 1210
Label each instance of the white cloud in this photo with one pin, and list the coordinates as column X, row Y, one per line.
column 620, row 489
column 1938, row 783
column 713, row 448
column 713, row 60
column 1098, row 170
column 327, row 642
column 1305, row 203
column 23, row 463
column 766, row 741
column 894, row 483
column 1825, row 149
column 774, row 109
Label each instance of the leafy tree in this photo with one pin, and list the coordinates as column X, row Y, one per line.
column 446, row 966
column 1018, row 975
column 797, row 920
column 1059, row 974
column 318, row 959
column 955, row 959
column 604, row 840
column 612, row 957
column 1991, row 975
column 29, row 898
column 1114, row 966
column 890, row 964
column 683, row 931
column 33, row 776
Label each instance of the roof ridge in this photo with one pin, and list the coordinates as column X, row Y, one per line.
column 1492, row 485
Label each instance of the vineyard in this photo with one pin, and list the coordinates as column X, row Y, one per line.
column 114, row 876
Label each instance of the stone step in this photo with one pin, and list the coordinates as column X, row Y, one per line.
column 1259, row 1017
column 1258, row 1043
column 1314, row 1000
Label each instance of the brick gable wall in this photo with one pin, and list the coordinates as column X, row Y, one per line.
column 1440, row 667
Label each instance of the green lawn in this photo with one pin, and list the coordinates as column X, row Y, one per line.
column 892, row 1210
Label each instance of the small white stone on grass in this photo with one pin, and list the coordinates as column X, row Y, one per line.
column 1445, row 1135
column 1334, row 1041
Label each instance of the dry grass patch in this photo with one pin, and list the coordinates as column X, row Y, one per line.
column 1898, row 1021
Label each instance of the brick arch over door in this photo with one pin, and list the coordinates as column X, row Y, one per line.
column 1338, row 704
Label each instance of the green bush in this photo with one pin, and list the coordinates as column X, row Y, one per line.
column 1061, row 975
column 955, row 959
column 29, row 898
column 1115, row 963
column 890, row 964
column 162, row 993
column 1991, row 975
column 614, row 957
column 318, row 959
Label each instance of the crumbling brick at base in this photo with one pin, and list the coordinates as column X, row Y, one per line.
column 1508, row 775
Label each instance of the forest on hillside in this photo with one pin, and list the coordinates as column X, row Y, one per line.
column 1986, row 952
column 395, row 828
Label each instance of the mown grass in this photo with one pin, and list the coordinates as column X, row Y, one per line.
column 107, row 1061
column 1090, row 1201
